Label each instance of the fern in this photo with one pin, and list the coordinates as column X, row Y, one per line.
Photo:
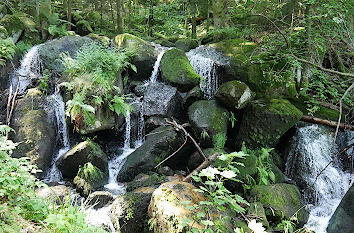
column 7, row 50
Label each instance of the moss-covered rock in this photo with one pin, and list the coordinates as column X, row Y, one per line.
column 209, row 121
column 145, row 180
column 256, row 209
column 164, row 42
column 89, row 179
column 50, row 51
column 104, row 40
column 186, row 44
column 285, row 199
column 81, row 154
column 177, row 70
column 100, row 199
column 192, row 96
column 145, row 54
column 35, row 130
column 234, row 95
column 265, row 121
column 17, row 23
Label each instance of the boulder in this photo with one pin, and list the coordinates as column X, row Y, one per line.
column 159, row 144
column 164, row 42
column 50, row 51
column 154, row 122
column 100, row 199
column 196, row 158
column 166, row 210
column 89, row 180
column 53, row 193
column 145, row 180
column 177, row 70
column 209, row 121
column 343, row 218
column 284, row 199
column 186, row 44
column 234, row 95
column 265, row 121
column 162, row 100
column 145, row 54
column 34, row 129
column 81, row 154
column 129, row 212
column 16, row 24
column 192, row 96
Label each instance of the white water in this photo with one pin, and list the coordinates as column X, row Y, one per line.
column 57, row 104
column 155, row 72
column 30, row 68
column 99, row 217
column 309, row 154
column 205, row 61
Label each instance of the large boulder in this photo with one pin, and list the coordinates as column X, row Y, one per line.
column 145, row 54
column 50, row 51
column 209, row 121
column 159, row 144
column 265, row 121
column 81, row 154
column 162, row 100
column 54, row 193
column 177, row 70
column 129, row 212
column 234, row 95
column 35, row 130
column 284, row 199
column 17, row 24
column 343, row 218
column 186, row 44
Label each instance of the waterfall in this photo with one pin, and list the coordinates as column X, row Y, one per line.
column 155, row 72
column 30, row 68
column 58, row 107
column 205, row 61
column 310, row 152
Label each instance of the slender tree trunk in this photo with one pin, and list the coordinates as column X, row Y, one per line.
column 219, row 14
column 69, row 15
column 112, row 11
column 150, row 19
column 193, row 11
column 129, row 14
column 119, row 17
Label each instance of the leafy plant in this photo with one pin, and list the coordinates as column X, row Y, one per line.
column 43, row 83
column 219, row 141
column 90, row 173
column 7, row 50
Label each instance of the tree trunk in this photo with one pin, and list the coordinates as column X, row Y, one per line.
column 69, row 15
column 120, row 26
column 150, row 19
column 129, row 14
column 219, row 14
column 193, row 14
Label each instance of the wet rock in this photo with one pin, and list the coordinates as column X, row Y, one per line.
column 265, row 121
column 145, row 180
column 50, row 51
column 153, row 123
column 192, row 96
column 186, row 44
column 343, row 218
column 234, row 95
column 159, row 144
column 165, row 43
column 34, row 129
column 162, row 100
column 17, row 24
column 177, row 70
column 53, row 193
column 145, row 54
column 100, row 199
column 81, row 154
column 209, row 122
column 196, row 158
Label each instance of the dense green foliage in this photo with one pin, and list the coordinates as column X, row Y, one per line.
column 7, row 50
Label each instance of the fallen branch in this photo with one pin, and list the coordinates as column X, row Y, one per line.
column 185, row 141
column 12, row 103
column 316, row 120
column 205, row 164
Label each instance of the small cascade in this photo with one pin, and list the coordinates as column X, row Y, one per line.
column 30, row 68
column 205, row 61
column 57, row 104
column 309, row 154
column 155, row 72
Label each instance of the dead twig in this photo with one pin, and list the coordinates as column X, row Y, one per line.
column 316, row 120
column 185, row 141
column 205, row 164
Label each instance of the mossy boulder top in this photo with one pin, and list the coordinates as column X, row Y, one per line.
column 265, row 121
column 145, row 54
column 15, row 24
column 177, row 70
column 50, row 51
column 208, row 120
column 186, row 44
column 234, row 95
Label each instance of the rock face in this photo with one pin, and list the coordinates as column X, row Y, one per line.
column 186, row 44
column 343, row 218
column 100, row 199
column 50, row 51
column 265, row 121
column 285, row 199
column 162, row 100
column 16, row 24
column 209, row 121
column 192, row 96
column 34, row 129
column 177, row 70
column 166, row 209
column 234, row 95
column 145, row 54
column 159, row 144
column 79, row 155
column 129, row 212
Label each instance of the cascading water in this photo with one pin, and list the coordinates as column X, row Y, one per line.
column 30, row 68
column 309, row 154
column 205, row 61
column 57, row 104
column 155, row 72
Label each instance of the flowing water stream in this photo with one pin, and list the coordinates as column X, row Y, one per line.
column 309, row 153
column 155, row 72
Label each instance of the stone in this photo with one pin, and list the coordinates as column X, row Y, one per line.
column 162, row 100
column 17, row 24
column 265, row 121
column 154, row 122
column 196, row 158
column 81, row 154
column 145, row 180
column 208, row 121
column 186, row 44
column 192, row 96
column 53, row 193
column 343, row 218
column 177, row 70
column 145, row 54
column 50, row 51
column 234, row 95
column 100, row 199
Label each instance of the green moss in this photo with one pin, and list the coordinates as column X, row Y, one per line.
column 236, row 48
column 186, row 44
column 3, row 32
